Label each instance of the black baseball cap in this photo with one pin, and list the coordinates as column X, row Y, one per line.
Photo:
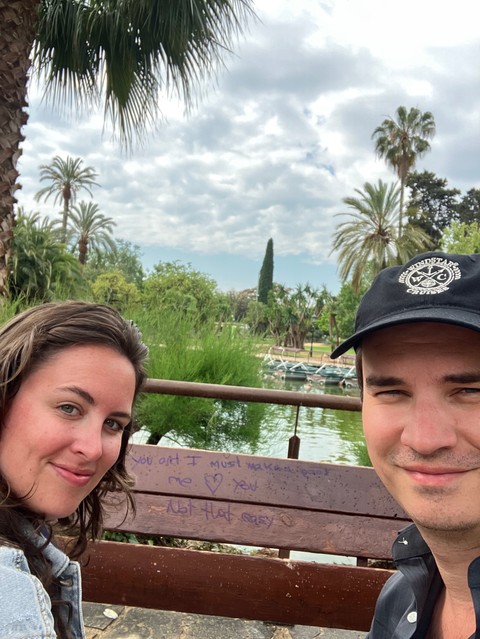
column 431, row 287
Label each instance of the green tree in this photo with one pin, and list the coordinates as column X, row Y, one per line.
column 369, row 240
column 256, row 317
column 112, row 288
column 291, row 313
column 122, row 53
column 469, row 207
column 432, row 206
column 90, row 230
column 240, row 301
column 179, row 286
column 126, row 258
column 185, row 349
column 67, row 178
column 42, row 268
column 461, row 237
column 265, row 279
column 401, row 142
column 344, row 308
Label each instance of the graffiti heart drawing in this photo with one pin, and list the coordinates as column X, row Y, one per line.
column 213, row 482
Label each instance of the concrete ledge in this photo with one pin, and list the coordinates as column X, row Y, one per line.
column 119, row 622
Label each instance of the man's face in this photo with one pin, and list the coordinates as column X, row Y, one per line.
column 421, row 418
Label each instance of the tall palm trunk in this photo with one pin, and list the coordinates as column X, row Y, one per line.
column 82, row 251
column 18, row 19
column 66, row 211
column 400, row 208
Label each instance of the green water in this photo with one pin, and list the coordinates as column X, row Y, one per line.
column 325, row 435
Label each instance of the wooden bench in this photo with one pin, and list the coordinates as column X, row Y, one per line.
column 252, row 501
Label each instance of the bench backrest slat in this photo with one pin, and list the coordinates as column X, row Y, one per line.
column 265, row 480
column 260, row 501
column 251, row 525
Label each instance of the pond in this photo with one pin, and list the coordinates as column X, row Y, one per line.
column 326, row 435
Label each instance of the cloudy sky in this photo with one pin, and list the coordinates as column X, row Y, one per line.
column 281, row 137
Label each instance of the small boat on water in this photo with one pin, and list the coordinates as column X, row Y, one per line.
column 287, row 369
column 295, row 371
column 331, row 374
column 349, row 382
column 327, row 374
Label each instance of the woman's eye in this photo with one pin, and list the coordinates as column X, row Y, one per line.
column 112, row 424
column 69, row 409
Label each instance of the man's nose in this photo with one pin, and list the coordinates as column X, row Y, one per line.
column 429, row 427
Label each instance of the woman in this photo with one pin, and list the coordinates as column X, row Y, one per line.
column 69, row 375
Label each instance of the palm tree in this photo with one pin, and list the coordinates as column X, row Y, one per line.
column 401, row 141
column 90, row 229
column 41, row 269
column 66, row 178
column 369, row 241
column 121, row 53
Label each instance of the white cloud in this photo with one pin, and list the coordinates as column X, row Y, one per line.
column 285, row 133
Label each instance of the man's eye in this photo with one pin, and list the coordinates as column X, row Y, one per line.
column 388, row 393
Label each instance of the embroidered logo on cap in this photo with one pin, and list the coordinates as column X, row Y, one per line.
column 430, row 276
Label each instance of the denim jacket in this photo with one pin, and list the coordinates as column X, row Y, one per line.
column 25, row 608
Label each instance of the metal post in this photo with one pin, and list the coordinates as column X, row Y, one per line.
column 293, row 452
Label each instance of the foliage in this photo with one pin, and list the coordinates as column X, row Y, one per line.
column 8, row 309
column 184, row 349
column 432, row 206
column 89, row 230
column 461, row 237
column 344, row 308
column 126, row 258
column 67, row 178
column 265, row 279
column 256, row 317
column 128, row 53
column 369, row 240
column 291, row 313
column 42, row 269
column 112, row 288
column 239, row 301
column 178, row 286
column 223, row 309
column 401, row 141
column 469, row 207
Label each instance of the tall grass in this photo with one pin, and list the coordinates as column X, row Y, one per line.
column 184, row 348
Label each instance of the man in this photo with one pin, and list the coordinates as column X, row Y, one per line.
column 417, row 338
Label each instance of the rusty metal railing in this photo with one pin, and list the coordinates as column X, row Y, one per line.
column 249, row 394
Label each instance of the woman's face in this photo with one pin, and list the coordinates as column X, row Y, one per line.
column 63, row 429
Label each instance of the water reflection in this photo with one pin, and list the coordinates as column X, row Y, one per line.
column 326, row 435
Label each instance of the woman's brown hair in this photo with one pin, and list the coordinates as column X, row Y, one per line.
column 26, row 342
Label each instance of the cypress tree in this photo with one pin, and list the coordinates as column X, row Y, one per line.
column 265, row 279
